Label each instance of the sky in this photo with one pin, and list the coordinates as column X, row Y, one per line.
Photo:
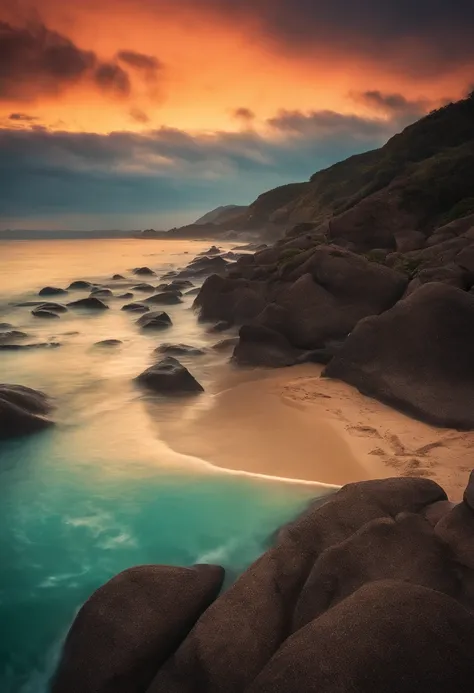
column 147, row 113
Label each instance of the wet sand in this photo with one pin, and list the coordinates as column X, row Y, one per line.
column 291, row 423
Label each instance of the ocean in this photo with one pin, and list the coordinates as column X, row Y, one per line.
column 101, row 491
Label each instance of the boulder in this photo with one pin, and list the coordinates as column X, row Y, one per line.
column 221, row 326
column 232, row 300
column 90, row 303
column 226, row 344
column 417, row 356
column 322, row 355
column 203, row 266
column 117, row 277
column 179, row 350
column 130, row 626
column 146, row 271
column 44, row 314
column 451, row 274
column 388, row 636
column 135, row 308
column 180, row 284
column 22, row 411
column 51, row 291
column 109, row 343
column 193, row 292
column 5, row 326
column 465, row 259
column 407, row 241
column 261, row 346
column 169, row 376
column 165, row 298
column 155, row 320
column 12, row 335
column 213, row 250
column 126, row 296
column 101, row 292
column 80, row 285
column 144, row 288
column 54, row 307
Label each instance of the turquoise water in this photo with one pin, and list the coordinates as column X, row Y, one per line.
column 101, row 491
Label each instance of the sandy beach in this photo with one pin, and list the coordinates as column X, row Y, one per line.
column 292, row 423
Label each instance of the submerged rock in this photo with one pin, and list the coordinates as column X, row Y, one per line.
column 101, row 292
column 143, row 271
column 117, row 277
column 5, row 326
column 51, row 291
column 131, row 625
column 12, row 335
column 135, row 308
column 156, row 320
column 26, row 347
column 145, row 288
column 44, row 314
column 80, row 285
column 126, row 296
column 166, row 298
column 179, row 350
column 169, row 376
column 22, row 411
column 55, row 307
column 109, row 343
column 90, row 303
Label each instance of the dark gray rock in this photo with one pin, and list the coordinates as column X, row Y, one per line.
column 261, row 346
column 126, row 296
column 118, row 277
column 80, row 285
column 144, row 288
column 155, row 320
column 416, row 356
column 22, row 411
column 12, row 335
column 44, row 314
column 169, row 376
column 203, row 266
column 90, row 303
column 54, row 307
column 146, row 271
column 101, row 292
column 179, row 350
column 232, row 300
column 52, row 291
column 180, row 284
column 165, row 298
column 136, row 308
column 108, row 343
column 131, row 625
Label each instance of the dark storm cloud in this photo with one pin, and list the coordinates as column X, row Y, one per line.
column 140, row 61
column 418, row 37
column 168, row 169
column 35, row 60
column 243, row 113
column 110, row 76
column 393, row 103
column 22, row 117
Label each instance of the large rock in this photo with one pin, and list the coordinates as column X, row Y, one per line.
column 156, row 320
column 169, row 376
column 22, row 411
column 90, row 303
column 388, row 636
column 52, row 291
column 80, row 285
column 131, row 625
column 416, row 356
column 165, row 298
column 143, row 271
column 261, row 346
column 232, row 300
column 251, row 620
column 203, row 266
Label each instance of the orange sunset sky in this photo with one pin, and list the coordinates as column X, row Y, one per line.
column 132, row 113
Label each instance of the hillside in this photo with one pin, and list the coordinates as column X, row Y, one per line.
column 420, row 179
column 221, row 215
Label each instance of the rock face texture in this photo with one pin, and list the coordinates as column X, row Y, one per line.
column 129, row 627
column 22, row 411
column 371, row 589
column 416, row 356
column 169, row 376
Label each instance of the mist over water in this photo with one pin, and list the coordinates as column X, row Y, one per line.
column 101, row 491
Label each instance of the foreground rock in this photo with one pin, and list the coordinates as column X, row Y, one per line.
column 22, row 411
column 129, row 627
column 179, row 350
column 90, row 303
column 416, row 356
column 369, row 590
column 169, row 376
column 52, row 291
column 156, row 320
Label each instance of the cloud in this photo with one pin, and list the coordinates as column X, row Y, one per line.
column 140, row 61
column 167, row 170
column 22, row 116
column 111, row 77
column 35, row 61
column 139, row 116
column 243, row 113
column 393, row 103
